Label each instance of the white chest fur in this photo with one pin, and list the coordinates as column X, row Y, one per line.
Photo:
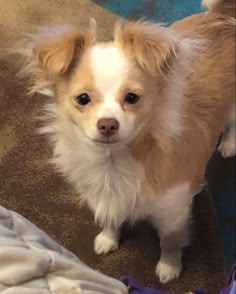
column 107, row 178
column 111, row 185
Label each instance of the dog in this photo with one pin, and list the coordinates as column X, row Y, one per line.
column 134, row 121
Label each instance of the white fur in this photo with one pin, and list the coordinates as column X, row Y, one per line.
column 46, row 92
column 174, row 92
column 168, row 271
column 227, row 146
column 108, row 177
column 106, row 241
column 176, row 202
column 171, row 216
column 210, row 3
column 110, row 67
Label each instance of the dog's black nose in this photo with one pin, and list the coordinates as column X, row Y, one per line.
column 108, row 126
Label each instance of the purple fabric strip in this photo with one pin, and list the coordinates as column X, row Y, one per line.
column 231, row 283
column 136, row 288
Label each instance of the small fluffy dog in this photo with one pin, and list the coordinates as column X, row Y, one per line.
column 134, row 121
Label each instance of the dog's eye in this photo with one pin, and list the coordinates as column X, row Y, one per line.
column 131, row 98
column 83, row 99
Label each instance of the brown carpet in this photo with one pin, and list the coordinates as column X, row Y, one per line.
column 29, row 185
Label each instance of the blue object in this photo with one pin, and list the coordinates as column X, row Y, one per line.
column 162, row 11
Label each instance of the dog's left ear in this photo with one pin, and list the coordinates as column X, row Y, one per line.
column 154, row 47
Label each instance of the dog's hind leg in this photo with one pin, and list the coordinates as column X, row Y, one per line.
column 171, row 217
column 227, row 145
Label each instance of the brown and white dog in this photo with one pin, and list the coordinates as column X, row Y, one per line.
column 134, row 121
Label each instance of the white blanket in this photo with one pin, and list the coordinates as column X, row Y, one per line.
column 32, row 263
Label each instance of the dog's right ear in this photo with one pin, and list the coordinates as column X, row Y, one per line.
column 51, row 53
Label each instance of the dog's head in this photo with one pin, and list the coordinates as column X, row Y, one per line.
column 109, row 90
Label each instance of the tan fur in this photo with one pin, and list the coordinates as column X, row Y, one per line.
column 51, row 53
column 153, row 46
column 55, row 56
column 209, row 95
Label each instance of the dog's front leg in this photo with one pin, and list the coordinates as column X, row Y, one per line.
column 107, row 241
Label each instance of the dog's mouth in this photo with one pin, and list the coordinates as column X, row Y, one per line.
column 107, row 141
column 111, row 140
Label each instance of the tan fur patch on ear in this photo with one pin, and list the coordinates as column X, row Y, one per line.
column 51, row 52
column 153, row 46
column 55, row 54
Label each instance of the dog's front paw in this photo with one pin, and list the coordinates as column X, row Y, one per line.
column 105, row 243
column 168, row 271
column 227, row 148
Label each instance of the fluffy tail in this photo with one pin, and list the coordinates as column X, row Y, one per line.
column 226, row 7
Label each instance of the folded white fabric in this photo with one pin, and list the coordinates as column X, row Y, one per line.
column 32, row 263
